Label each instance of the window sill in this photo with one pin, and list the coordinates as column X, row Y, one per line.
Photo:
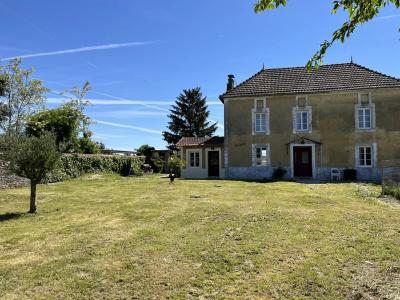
column 302, row 131
column 365, row 130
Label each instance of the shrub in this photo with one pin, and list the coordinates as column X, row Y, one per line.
column 278, row 173
column 350, row 175
column 175, row 163
column 75, row 165
column 393, row 190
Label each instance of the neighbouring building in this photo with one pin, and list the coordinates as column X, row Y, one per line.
column 119, row 152
column 309, row 123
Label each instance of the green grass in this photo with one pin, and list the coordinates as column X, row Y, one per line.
column 105, row 236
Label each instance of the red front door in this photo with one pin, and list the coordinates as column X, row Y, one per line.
column 302, row 161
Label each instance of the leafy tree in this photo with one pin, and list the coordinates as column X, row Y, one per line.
column 359, row 12
column 101, row 146
column 188, row 117
column 3, row 113
column 156, row 162
column 66, row 123
column 175, row 163
column 3, row 83
column 87, row 145
column 30, row 157
column 22, row 96
column 147, row 152
column 62, row 121
column 79, row 102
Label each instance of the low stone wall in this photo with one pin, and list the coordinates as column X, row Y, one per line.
column 8, row 180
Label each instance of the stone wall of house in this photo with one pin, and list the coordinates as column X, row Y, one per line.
column 8, row 180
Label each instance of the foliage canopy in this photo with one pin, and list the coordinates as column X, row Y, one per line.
column 359, row 12
column 188, row 118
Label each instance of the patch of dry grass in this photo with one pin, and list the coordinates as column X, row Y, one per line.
column 112, row 237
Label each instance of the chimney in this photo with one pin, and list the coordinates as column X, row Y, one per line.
column 231, row 82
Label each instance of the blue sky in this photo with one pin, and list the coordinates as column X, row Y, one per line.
column 139, row 55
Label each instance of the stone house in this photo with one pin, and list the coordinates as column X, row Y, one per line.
column 309, row 123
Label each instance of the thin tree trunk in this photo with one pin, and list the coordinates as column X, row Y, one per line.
column 33, row 198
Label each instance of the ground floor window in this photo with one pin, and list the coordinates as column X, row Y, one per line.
column 365, row 156
column 261, row 155
column 194, row 159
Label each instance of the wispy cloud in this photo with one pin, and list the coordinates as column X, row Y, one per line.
column 219, row 125
column 112, row 102
column 129, row 113
column 129, row 126
column 144, row 103
column 83, row 49
column 105, row 136
column 6, row 48
column 387, row 17
column 121, row 101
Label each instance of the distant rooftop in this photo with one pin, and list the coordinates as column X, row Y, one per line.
column 297, row 80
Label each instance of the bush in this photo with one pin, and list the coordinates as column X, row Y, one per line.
column 392, row 190
column 350, row 175
column 75, row 165
column 278, row 173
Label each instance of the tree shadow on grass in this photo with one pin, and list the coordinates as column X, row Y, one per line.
column 10, row 216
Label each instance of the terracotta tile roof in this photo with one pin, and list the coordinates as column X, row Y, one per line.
column 297, row 80
column 201, row 141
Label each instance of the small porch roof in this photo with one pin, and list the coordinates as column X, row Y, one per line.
column 301, row 140
column 201, row 141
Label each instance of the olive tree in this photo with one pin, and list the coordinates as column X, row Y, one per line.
column 30, row 157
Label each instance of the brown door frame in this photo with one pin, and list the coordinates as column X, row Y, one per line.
column 313, row 156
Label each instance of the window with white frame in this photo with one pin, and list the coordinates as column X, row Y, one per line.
column 364, row 115
column 260, row 117
column 260, row 122
column 365, row 156
column 261, row 155
column 194, row 159
column 302, row 120
column 365, row 112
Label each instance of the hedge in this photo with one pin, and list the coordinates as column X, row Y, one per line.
column 75, row 165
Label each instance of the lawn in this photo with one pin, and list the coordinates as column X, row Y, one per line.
column 105, row 236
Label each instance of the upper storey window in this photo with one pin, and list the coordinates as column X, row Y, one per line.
column 260, row 117
column 302, row 115
column 365, row 112
column 302, row 120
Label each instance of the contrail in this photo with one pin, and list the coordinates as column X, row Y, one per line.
column 386, row 17
column 82, row 49
column 121, row 101
column 112, row 102
column 129, row 126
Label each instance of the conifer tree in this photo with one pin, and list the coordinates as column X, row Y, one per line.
column 188, row 118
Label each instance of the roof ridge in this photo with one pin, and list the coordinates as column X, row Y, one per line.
column 376, row 72
column 303, row 67
column 341, row 76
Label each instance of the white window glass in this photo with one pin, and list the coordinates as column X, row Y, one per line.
column 364, row 118
column 302, row 120
column 194, row 159
column 261, row 122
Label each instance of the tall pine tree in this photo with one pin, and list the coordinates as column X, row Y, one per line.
column 188, row 118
